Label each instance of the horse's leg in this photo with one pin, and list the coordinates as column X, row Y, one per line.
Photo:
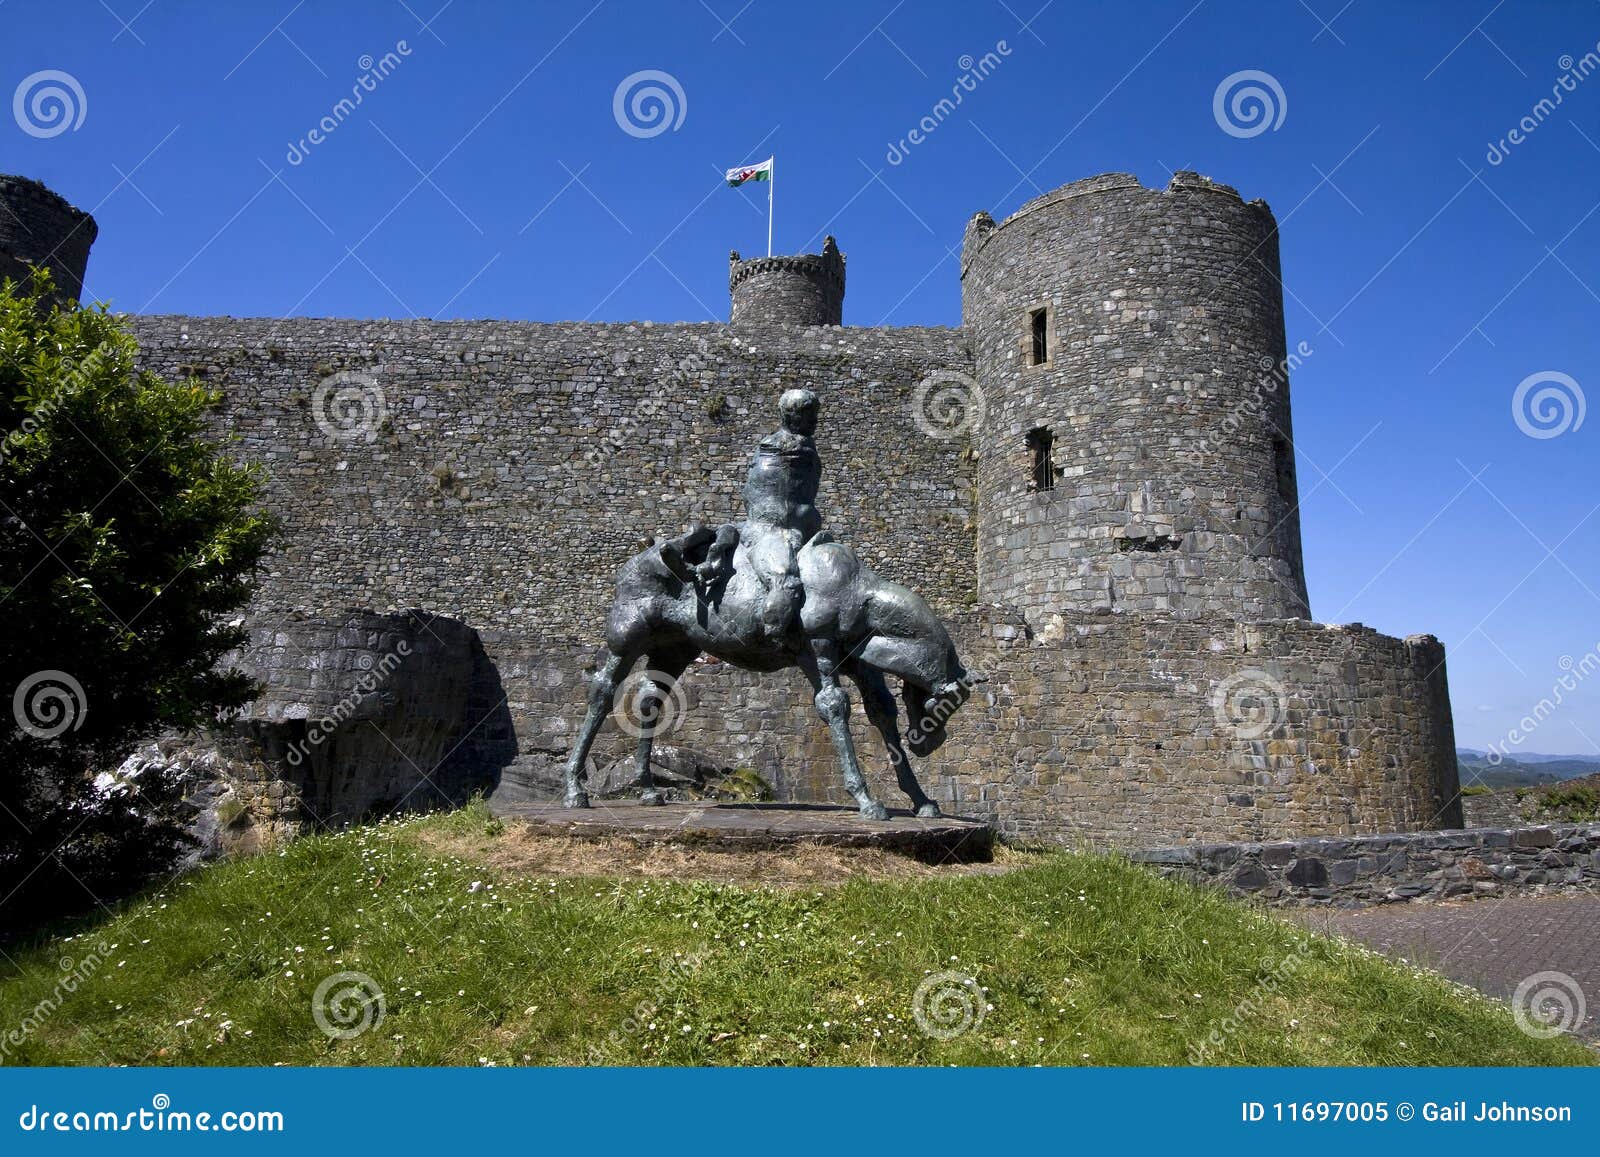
column 881, row 712
column 662, row 673
column 602, row 687
column 834, row 707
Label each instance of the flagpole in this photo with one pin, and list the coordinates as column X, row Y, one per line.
column 772, row 180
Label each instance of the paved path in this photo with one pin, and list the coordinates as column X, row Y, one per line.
column 1492, row 945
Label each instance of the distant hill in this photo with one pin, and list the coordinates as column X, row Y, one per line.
column 1526, row 770
column 1592, row 760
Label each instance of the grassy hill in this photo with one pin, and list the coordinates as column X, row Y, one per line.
column 1074, row 959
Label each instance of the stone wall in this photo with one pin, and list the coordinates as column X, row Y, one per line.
column 1106, row 729
column 1386, row 868
column 1163, row 389
column 1496, row 809
column 1559, row 801
column 366, row 713
column 361, row 715
column 1132, row 730
column 498, row 474
column 501, row 472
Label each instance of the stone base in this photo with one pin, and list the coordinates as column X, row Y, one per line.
column 1405, row 866
column 764, row 826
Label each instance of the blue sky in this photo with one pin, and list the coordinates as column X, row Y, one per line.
column 486, row 175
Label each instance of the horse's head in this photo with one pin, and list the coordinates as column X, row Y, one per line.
column 926, row 731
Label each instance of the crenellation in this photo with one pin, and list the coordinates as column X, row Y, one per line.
column 803, row 290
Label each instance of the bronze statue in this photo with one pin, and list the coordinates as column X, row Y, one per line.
column 772, row 592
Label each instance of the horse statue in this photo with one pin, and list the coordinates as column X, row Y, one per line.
column 773, row 592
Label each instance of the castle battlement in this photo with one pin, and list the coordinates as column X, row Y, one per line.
column 1183, row 181
column 805, row 289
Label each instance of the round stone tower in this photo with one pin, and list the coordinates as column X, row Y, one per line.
column 38, row 227
column 1136, row 451
column 807, row 289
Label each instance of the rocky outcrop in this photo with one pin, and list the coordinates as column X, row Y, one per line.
column 361, row 715
column 682, row 773
column 234, row 802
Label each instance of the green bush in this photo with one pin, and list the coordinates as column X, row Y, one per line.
column 125, row 536
column 1571, row 803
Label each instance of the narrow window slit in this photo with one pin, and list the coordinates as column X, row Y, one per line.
column 1283, row 466
column 1039, row 335
column 1040, row 441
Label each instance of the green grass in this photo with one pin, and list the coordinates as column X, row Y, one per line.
column 1079, row 959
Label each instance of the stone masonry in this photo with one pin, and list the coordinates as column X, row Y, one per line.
column 1106, row 518
column 39, row 227
column 803, row 290
column 1160, row 382
column 1390, row 868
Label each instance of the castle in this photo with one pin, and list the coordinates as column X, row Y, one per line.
column 1092, row 480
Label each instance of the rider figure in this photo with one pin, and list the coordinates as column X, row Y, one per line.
column 780, row 495
column 781, row 516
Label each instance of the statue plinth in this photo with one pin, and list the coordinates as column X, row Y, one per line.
column 764, row 827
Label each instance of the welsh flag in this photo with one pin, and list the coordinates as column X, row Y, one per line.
column 761, row 172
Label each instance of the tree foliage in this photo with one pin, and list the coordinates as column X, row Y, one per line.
column 126, row 535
